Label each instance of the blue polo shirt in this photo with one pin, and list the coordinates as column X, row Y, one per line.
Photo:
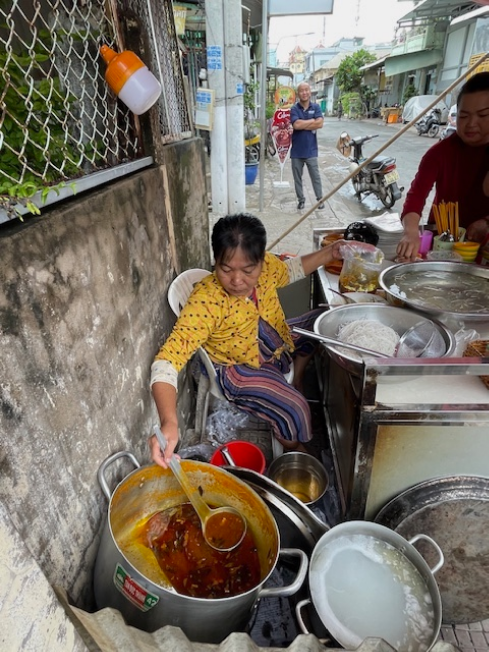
column 304, row 142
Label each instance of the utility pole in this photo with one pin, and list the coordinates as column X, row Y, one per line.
column 225, row 74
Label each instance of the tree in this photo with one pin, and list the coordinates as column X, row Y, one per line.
column 349, row 76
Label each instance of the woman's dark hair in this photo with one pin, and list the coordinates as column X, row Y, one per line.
column 242, row 230
column 475, row 84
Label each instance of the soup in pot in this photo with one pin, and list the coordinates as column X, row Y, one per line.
column 194, row 568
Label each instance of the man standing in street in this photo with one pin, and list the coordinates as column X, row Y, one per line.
column 306, row 118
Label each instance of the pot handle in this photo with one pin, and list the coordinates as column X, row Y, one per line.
column 285, row 591
column 441, row 560
column 106, row 463
column 298, row 614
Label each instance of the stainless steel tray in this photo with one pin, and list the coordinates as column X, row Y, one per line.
column 458, row 290
column 454, row 511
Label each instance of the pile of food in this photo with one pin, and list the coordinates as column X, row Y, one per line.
column 371, row 335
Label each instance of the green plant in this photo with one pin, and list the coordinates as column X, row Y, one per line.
column 34, row 131
column 409, row 92
column 349, row 74
column 270, row 110
column 352, row 104
column 249, row 96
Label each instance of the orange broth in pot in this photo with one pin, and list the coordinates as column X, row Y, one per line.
column 192, row 567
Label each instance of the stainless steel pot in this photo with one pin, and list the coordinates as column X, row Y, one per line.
column 399, row 319
column 367, row 580
column 128, row 578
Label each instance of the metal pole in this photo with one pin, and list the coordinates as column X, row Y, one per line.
column 216, row 76
column 263, row 98
column 233, row 79
column 381, row 149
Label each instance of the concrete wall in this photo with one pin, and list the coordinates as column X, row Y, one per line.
column 82, row 313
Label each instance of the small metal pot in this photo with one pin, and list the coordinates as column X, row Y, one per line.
column 300, row 474
column 384, row 581
column 128, row 578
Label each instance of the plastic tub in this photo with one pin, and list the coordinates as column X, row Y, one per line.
column 244, row 454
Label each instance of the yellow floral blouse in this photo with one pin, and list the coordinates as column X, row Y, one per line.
column 227, row 326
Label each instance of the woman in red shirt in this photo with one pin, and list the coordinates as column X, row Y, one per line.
column 458, row 166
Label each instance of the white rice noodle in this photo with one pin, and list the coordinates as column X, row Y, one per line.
column 371, row 335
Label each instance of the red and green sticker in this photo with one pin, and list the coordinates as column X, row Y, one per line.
column 134, row 592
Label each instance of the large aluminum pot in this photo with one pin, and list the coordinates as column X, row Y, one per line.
column 368, row 581
column 128, row 577
column 399, row 319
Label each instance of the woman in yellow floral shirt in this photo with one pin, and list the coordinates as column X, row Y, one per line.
column 235, row 314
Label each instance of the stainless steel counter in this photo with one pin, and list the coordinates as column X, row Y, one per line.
column 402, row 423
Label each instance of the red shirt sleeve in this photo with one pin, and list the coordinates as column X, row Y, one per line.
column 423, row 182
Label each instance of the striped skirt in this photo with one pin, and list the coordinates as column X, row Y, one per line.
column 264, row 392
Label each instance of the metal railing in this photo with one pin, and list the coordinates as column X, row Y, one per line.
column 59, row 121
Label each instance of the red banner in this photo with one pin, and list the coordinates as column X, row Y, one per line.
column 282, row 133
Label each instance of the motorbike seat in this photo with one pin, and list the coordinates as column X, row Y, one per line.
column 380, row 162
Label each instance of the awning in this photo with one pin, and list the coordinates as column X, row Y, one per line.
column 375, row 64
column 412, row 61
column 279, row 72
column 433, row 9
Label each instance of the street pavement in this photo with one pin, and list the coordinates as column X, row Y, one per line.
column 279, row 202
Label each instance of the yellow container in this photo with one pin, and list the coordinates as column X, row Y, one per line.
column 468, row 250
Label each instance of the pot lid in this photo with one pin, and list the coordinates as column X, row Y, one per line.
column 454, row 511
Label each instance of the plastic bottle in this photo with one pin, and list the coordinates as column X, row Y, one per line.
column 130, row 79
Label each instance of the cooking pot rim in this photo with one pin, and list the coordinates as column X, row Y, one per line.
column 215, row 470
column 368, row 528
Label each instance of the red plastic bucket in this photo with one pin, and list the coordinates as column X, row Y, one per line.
column 244, row 454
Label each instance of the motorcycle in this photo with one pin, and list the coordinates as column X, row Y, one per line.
column 430, row 123
column 451, row 126
column 379, row 177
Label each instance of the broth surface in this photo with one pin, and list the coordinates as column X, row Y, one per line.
column 191, row 565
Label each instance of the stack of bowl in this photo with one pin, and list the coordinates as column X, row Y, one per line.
column 468, row 250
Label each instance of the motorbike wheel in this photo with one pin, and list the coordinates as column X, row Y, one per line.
column 252, row 154
column 387, row 197
column 356, row 188
column 433, row 131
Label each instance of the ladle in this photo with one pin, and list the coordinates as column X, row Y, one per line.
column 223, row 527
column 332, row 340
column 416, row 340
column 228, row 458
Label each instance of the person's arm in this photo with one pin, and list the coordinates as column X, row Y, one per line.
column 165, row 397
column 421, row 186
column 408, row 246
column 192, row 329
column 324, row 256
column 309, row 125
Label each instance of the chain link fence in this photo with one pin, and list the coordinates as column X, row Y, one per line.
column 59, row 121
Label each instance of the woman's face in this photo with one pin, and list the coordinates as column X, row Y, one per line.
column 473, row 118
column 237, row 274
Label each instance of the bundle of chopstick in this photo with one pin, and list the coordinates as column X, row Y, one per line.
column 446, row 218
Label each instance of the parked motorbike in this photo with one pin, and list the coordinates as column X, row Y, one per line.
column 430, row 123
column 379, row 177
column 451, row 126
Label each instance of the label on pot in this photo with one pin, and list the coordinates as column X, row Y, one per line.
column 134, row 592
